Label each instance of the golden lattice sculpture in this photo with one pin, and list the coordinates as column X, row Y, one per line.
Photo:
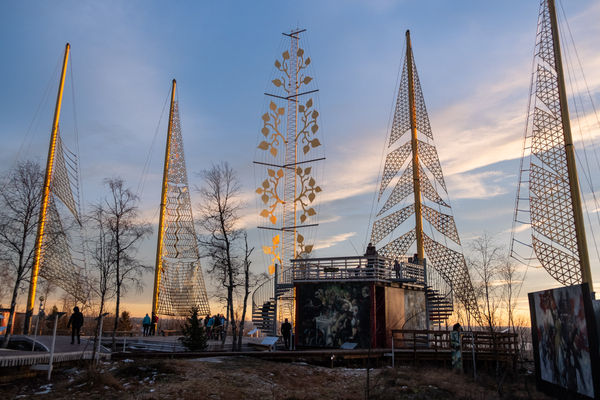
column 416, row 181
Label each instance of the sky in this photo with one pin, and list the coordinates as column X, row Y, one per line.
column 474, row 62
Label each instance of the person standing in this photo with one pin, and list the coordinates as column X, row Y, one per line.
column 146, row 325
column 397, row 269
column 286, row 331
column 209, row 327
column 456, row 348
column 371, row 255
column 75, row 322
column 154, row 325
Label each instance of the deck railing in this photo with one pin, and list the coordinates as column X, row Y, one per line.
column 479, row 341
column 356, row 268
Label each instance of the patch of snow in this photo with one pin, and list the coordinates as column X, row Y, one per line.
column 127, row 360
column 208, row 359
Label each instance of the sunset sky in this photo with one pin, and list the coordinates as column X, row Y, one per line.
column 474, row 62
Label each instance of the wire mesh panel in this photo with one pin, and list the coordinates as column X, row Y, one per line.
column 545, row 200
column 56, row 260
column 57, row 264
column 181, row 286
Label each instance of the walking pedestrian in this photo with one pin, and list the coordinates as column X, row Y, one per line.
column 75, row 322
column 286, row 331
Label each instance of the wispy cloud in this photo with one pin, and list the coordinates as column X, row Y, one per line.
column 479, row 185
column 333, row 240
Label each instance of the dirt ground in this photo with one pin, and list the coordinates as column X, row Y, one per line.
column 250, row 378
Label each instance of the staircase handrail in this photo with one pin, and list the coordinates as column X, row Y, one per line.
column 435, row 281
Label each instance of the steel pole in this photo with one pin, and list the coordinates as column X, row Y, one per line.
column 52, row 347
column 584, row 260
column 415, row 150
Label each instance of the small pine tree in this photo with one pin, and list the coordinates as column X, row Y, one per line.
column 194, row 335
column 125, row 322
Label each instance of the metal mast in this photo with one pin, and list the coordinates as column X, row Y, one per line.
column 584, row 260
column 415, row 152
column 288, row 242
column 35, row 270
column 163, row 205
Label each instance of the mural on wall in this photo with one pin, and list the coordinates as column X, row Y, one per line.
column 330, row 314
column 563, row 340
column 415, row 315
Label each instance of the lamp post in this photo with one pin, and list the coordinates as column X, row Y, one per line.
column 37, row 322
column 56, row 316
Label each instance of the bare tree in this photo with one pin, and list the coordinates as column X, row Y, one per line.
column 485, row 263
column 510, row 279
column 102, row 250
column 247, row 286
column 219, row 217
column 120, row 209
column 19, row 211
column 5, row 276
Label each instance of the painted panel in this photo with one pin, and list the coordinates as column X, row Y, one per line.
column 415, row 314
column 330, row 314
column 564, row 339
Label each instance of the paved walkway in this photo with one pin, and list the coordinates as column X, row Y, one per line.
column 63, row 351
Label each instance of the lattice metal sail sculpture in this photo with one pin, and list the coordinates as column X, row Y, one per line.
column 548, row 197
column 290, row 145
column 52, row 257
column 422, row 177
column 178, row 281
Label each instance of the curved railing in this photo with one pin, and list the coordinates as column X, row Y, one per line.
column 437, row 282
column 263, row 299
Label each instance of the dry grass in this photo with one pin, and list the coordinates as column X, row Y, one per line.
column 249, row 378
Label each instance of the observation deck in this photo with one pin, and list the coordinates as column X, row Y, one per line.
column 357, row 268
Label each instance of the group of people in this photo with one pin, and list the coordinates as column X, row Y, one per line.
column 149, row 325
column 215, row 326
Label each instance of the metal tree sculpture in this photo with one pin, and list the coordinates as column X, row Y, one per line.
column 290, row 128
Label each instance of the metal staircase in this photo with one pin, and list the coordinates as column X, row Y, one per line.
column 274, row 297
column 439, row 297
